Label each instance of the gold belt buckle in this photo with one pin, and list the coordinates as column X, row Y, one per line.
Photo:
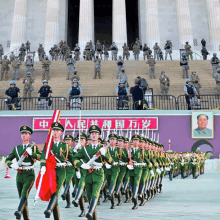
column 92, row 167
column 23, row 167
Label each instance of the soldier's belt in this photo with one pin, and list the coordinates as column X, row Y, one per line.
column 26, row 168
column 123, row 164
column 95, row 167
column 138, row 164
column 61, row 164
column 68, row 164
column 115, row 164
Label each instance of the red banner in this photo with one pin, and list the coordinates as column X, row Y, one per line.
column 124, row 123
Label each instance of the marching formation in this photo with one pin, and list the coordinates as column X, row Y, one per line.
column 134, row 166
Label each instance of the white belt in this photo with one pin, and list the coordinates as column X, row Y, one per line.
column 122, row 163
column 97, row 167
column 138, row 164
column 26, row 168
column 61, row 164
column 26, row 163
column 115, row 164
column 68, row 163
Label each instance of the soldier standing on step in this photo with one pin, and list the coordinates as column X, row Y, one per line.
column 28, row 45
column 46, row 66
column 152, row 63
column 97, row 69
column 195, row 81
column 70, row 66
column 145, row 51
column 217, row 79
column 120, row 63
column 28, row 88
column 156, row 51
column 164, row 83
column 16, row 68
column 188, row 51
column 168, row 48
column 205, row 53
column 215, row 64
column 5, row 68
column 44, row 92
column 99, row 49
column 136, row 51
column 1, row 52
column 77, row 52
column 25, row 175
column 106, row 55
column 185, row 66
column 114, row 50
column 12, row 56
column 161, row 54
column 125, row 51
column 40, row 52
column 22, row 52
column 29, row 63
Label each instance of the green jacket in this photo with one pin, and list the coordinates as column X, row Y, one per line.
column 14, row 154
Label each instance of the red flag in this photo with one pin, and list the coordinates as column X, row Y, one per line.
column 49, row 185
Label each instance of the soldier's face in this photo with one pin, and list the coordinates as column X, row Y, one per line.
column 83, row 141
column 136, row 143
column 113, row 142
column 94, row 136
column 25, row 136
column 57, row 133
column 126, row 146
column 142, row 145
column 69, row 142
column 120, row 144
column 202, row 122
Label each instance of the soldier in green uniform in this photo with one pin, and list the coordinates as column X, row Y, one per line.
column 94, row 157
column 25, row 176
column 81, row 175
column 70, row 171
column 62, row 154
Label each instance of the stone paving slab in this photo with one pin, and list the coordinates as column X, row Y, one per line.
column 181, row 199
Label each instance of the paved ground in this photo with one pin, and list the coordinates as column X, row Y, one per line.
column 181, row 199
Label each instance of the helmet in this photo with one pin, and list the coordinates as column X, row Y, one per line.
column 188, row 80
column 28, row 74
column 162, row 71
column 45, row 81
column 193, row 71
column 120, row 57
column 75, row 80
column 122, row 69
column 214, row 54
column 12, row 82
column 121, row 81
column 5, row 56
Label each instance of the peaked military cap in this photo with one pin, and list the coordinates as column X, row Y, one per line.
column 68, row 137
column 142, row 139
column 121, row 138
column 112, row 136
column 57, row 125
column 126, row 140
column 104, row 141
column 95, row 128
column 25, row 128
column 136, row 137
column 82, row 135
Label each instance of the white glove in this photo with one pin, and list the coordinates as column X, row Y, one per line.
column 108, row 166
column 171, row 163
column 102, row 151
column 78, row 174
column 78, row 145
column 158, row 171
column 143, row 164
column 14, row 166
column 85, row 166
column 152, row 172
column 151, row 164
column 75, row 150
column 130, row 167
column 29, row 151
column 168, row 169
column 161, row 169
column 43, row 170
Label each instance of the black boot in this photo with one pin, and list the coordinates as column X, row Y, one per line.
column 56, row 213
column 52, row 203
column 112, row 202
column 98, row 203
column 68, row 200
column 110, row 191
column 20, row 207
column 26, row 213
column 170, row 176
column 134, row 197
column 141, row 190
column 82, row 207
column 105, row 195
column 92, row 206
column 127, row 196
column 125, row 186
column 78, row 195
column 152, row 193
column 95, row 215
column 143, row 201
column 148, row 195
column 119, row 199
column 66, row 190
column 74, row 191
column 160, row 188
column 117, row 189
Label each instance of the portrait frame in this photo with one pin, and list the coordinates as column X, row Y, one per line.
column 195, row 132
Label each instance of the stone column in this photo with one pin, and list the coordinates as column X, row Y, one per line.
column 152, row 23
column 213, row 7
column 119, row 23
column 86, row 23
column 184, row 23
column 52, row 25
column 19, row 26
column 142, row 21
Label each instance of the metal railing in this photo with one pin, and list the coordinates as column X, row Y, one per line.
column 155, row 102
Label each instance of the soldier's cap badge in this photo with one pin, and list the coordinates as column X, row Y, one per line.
column 56, row 124
column 93, row 127
column 24, row 127
column 135, row 135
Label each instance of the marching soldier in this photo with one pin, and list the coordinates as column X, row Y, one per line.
column 188, row 51
column 4, row 68
column 185, row 66
column 97, row 69
column 46, row 66
column 95, row 175
column 62, row 153
column 195, row 81
column 151, row 63
column 164, row 83
column 40, row 52
column 156, row 51
column 29, row 63
column 125, row 51
column 28, row 88
column 70, row 62
column 215, row 64
column 168, row 48
column 16, row 68
column 25, row 176
column 77, row 53
column 114, row 50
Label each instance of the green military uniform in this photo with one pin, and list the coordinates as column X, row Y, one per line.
column 25, row 176
column 95, row 175
column 62, row 153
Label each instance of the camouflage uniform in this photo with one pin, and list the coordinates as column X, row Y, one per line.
column 136, row 51
column 28, row 88
column 152, row 63
column 99, row 49
column 87, row 52
column 188, row 51
column 12, row 57
column 28, row 45
column 46, row 66
column 185, row 66
column 40, row 52
column 156, row 51
column 1, row 52
column 125, row 52
column 56, row 51
column 97, row 69
column 70, row 66
column 77, row 53
column 68, row 52
column 145, row 51
column 22, row 52
column 5, row 68
column 120, row 64
column 195, row 82
column 215, row 64
column 29, row 63
column 16, row 68
column 164, row 84
column 168, row 48
column 106, row 55
column 114, row 50
column 63, row 50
